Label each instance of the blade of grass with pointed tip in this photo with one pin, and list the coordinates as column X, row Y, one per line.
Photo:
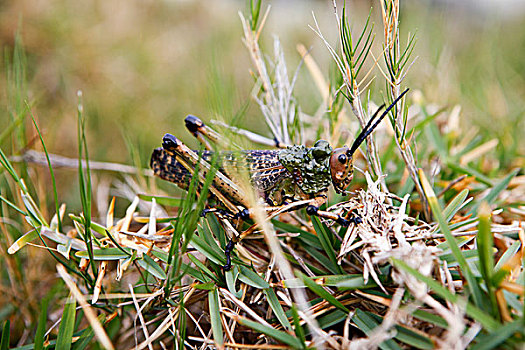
column 320, row 291
column 205, row 272
column 455, row 205
column 502, row 269
column 277, row 308
column 251, row 278
column 443, row 225
column 217, row 256
column 485, row 243
column 280, row 336
column 22, row 241
column 84, row 181
column 53, row 180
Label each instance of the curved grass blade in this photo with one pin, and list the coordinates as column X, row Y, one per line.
column 148, row 264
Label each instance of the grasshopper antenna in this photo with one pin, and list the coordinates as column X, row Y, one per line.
column 369, row 127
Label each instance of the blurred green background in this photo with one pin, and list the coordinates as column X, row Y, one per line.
column 144, row 65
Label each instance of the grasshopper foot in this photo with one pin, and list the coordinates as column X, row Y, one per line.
column 216, row 210
column 352, row 220
column 342, row 221
column 227, row 251
column 312, row 210
column 243, row 215
column 356, row 219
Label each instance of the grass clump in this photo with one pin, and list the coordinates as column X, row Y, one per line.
column 437, row 260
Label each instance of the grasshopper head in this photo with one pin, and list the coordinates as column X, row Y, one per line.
column 341, row 168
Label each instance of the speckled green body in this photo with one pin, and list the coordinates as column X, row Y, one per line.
column 310, row 167
column 280, row 176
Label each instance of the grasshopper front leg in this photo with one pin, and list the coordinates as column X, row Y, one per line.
column 320, row 199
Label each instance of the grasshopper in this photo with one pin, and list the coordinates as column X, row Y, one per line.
column 279, row 176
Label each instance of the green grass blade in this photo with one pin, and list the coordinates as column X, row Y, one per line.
column 23, row 241
column 455, row 205
column 495, row 191
column 253, row 279
column 280, row 336
column 443, row 225
column 298, row 329
column 469, row 171
column 324, row 238
column 206, row 273
column 494, row 339
column 105, row 254
column 41, row 328
column 151, row 266
column 320, row 291
column 485, row 243
column 367, row 324
column 162, row 200
column 67, row 325
column 215, row 317
column 277, row 308
column 482, row 317
column 53, row 179
column 6, row 331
